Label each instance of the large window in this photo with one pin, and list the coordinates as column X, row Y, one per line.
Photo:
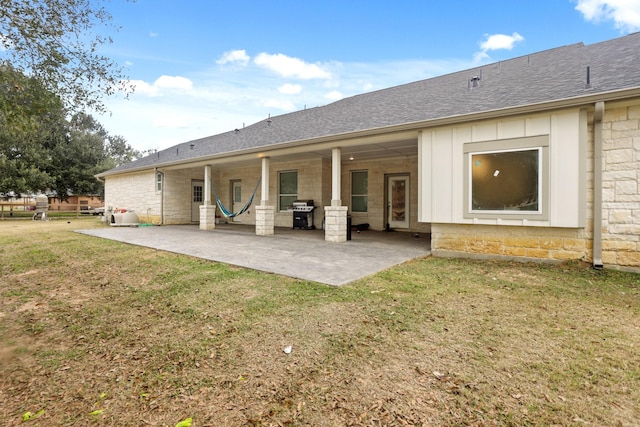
column 507, row 178
column 359, row 191
column 287, row 189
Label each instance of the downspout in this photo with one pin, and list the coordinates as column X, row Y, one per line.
column 161, row 196
column 597, row 185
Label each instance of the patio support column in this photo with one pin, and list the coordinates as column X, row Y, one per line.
column 336, row 170
column 335, row 216
column 265, row 214
column 207, row 210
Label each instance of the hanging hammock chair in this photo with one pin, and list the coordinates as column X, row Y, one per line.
column 226, row 212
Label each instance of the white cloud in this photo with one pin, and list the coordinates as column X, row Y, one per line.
column 287, row 66
column 162, row 85
column 153, row 34
column 497, row 42
column 173, row 82
column 334, row 95
column 290, row 89
column 280, row 104
column 170, row 121
column 238, row 57
column 367, row 87
column 144, row 88
column 624, row 13
column 500, row 41
column 174, row 109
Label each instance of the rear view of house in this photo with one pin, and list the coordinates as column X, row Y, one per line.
column 537, row 157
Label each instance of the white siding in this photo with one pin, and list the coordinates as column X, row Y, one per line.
column 442, row 161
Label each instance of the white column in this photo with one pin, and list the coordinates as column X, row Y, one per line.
column 335, row 216
column 264, row 196
column 265, row 214
column 207, row 185
column 335, row 176
column 207, row 210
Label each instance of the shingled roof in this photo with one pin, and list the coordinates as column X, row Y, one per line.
column 569, row 72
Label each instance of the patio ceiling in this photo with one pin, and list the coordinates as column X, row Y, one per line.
column 404, row 144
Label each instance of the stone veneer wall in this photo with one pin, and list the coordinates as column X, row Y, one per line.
column 620, row 186
column 177, row 204
column 621, row 209
column 510, row 242
column 134, row 191
column 377, row 171
column 310, row 178
column 249, row 178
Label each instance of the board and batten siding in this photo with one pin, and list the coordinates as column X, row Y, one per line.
column 562, row 235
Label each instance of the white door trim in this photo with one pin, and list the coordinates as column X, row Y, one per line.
column 236, row 199
column 398, row 205
column 197, row 199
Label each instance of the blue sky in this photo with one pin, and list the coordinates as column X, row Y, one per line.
column 203, row 67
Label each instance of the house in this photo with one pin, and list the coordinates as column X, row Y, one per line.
column 515, row 159
column 75, row 203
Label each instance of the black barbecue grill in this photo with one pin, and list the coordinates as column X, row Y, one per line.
column 303, row 214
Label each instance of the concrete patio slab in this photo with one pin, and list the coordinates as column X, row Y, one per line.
column 302, row 254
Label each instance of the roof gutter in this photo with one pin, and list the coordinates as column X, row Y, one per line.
column 616, row 95
column 597, row 185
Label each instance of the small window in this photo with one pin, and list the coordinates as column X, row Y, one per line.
column 287, row 189
column 359, row 191
column 507, row 178
column 159, row 181
column 197, row 194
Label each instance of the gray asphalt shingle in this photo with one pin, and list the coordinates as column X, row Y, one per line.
column 554, row 74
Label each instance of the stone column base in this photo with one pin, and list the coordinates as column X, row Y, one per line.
column 265, row 220
column 335, row 224
column 207, row 217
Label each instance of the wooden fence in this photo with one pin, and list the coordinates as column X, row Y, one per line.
column 27, row 209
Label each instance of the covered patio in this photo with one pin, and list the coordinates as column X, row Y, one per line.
column 303, row 254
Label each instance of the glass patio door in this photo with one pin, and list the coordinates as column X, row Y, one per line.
column 398, row 201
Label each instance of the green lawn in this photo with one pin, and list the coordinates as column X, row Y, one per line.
column 95, row 332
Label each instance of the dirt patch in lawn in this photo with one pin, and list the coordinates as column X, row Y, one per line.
column 95, row 332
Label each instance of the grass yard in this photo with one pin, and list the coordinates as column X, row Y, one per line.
column 95, row 332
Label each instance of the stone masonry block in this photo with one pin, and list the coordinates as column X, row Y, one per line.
column 619, row 156
column 626, row 187
column 513, row 251
column 630, row 259
column 625, row 125
column 567, row 255
column 453, row 244
column 551, row 243
column 485, row 247
column 622, row 216
column 538, row 253
column 618, row 245
column 609, row 257
column 577, row 245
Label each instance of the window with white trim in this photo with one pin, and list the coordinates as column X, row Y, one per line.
column 507, row 178
column 359, row 191
column 159, row 176
column 287, row 189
